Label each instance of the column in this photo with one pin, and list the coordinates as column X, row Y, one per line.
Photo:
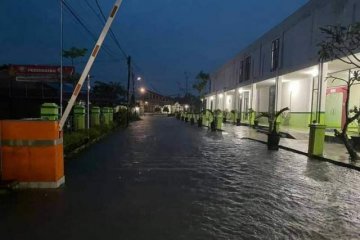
column 317, row 130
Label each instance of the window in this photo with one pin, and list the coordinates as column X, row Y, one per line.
column 241, row 72
column 247, row 68
column 275, row 47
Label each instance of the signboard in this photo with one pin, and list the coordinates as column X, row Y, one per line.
column 39, row 72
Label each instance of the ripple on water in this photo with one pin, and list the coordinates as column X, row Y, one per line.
column 249, row 192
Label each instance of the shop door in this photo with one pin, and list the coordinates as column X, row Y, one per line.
column 335, row 107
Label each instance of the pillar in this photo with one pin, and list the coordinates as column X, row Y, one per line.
column 49, row 111
column 105, row 116
column 95, row 116
column 317, row 129
column 316, row 140
column 79, row 117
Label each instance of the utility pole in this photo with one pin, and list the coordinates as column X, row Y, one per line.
column 88, row 103
column 61, row 55
column 133, row 88
column 128, row 90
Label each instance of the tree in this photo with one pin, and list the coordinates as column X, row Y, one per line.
column 74, row 53
column 109, row 93
column 202, row 80
column 342, row 43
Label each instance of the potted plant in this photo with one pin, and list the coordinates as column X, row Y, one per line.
column 199, row 120
column 233, row 116
column 273, row 135
column 250, row 115
column 225, row 115
column 238, row 119
column 192, row 120
column 216, row 118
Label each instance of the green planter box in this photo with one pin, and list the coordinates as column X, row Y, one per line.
column 49, row 111
column 105, row 115
column 95, row 116
column 79, row 117
column 316, row 140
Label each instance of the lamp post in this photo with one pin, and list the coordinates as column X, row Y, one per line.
column 61, row 55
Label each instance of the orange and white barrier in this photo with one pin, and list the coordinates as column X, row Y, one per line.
column 31, row 153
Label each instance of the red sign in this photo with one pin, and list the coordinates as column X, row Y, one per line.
column 21, row 70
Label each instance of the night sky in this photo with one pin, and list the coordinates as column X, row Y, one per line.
column 164, row 37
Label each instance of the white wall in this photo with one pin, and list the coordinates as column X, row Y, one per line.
column 300, row 95
column 262, row 99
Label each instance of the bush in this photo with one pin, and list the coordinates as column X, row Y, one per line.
column 74, row 140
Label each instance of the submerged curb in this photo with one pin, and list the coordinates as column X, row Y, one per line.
column 324, row 159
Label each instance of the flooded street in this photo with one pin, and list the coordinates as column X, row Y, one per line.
column 165, row 179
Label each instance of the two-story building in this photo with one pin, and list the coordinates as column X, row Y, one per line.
column 282, row 69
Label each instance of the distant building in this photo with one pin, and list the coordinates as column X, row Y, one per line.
column 151, row 101
column 23, row 88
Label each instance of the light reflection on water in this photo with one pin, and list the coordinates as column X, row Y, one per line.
column 246, row 192
column 164, row 179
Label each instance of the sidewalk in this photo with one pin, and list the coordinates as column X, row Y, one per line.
column 333, row 152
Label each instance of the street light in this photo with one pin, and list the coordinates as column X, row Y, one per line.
column 138, row 78
column 142, row 90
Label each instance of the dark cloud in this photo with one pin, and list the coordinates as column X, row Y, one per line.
column 165, row 37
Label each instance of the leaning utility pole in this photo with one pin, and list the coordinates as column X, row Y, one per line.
column 128, row 91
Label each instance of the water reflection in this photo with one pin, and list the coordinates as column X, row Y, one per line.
column 165, row 179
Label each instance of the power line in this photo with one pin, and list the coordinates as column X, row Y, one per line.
column 81, row 22
column 111, row 32
column 94, row 11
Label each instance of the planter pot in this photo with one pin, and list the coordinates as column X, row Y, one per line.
column 273, row 141
column 199, row 122
column 186, row 119
column 238, row 123
column 213, row 126
column 356, row 142
column 192, row 121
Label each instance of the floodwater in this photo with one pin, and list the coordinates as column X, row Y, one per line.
column 165, row 179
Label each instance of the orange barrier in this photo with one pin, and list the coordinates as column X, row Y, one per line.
column 32, row 153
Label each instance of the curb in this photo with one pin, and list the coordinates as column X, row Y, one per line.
column 82, row 147
column 323, row 159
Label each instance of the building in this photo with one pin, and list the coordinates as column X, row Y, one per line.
column 150, row 101
column 282, row 69
column 23, row 88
